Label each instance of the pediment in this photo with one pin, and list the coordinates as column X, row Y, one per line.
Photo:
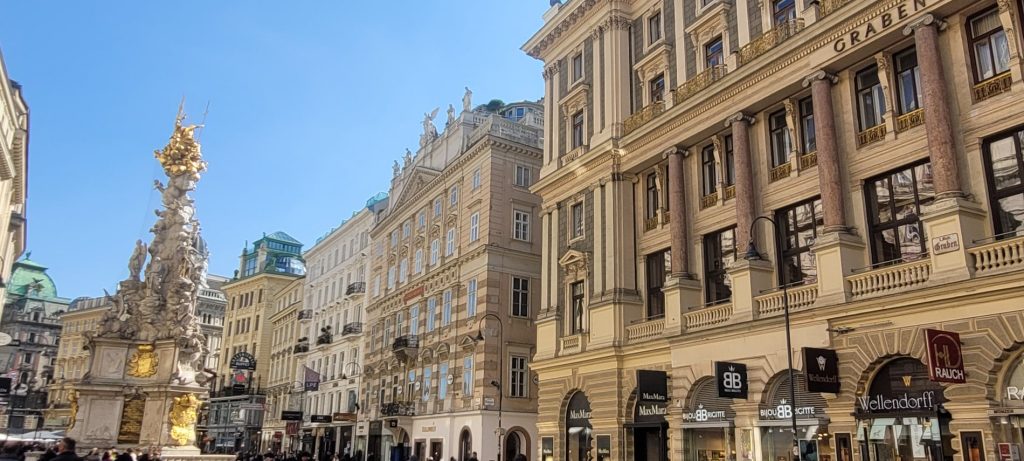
column 467, row 343
column 575, row 262
column 415, row 181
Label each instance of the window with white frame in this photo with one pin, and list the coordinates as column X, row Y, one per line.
column 437, row 208
column 442, row 381
column 431, row 313
column 426, row 383
column 520, row 297
column 421, row 220
column 449, row 247
column 417, row 262
column 391, row 277
column 654, row 27
column 406, row 229
column 517, row 376
column 435, row 250
column 476, row 179
column 474, row 227
column 523, row 176
column 521, row 225
column 577, row 67
column 471, row 298
column 453, row 195
column 467, row 377
column 577, row 129
column 394, row 241
column 576, row 221
column 446, row 308
column 403, row 270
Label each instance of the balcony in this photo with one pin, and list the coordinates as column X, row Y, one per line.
column 890, row 279
column 572, row 344
column 761, row 45
column 640, row 332
column 698, row 83
column 355, row 288
column 909, row 120
column 871, row 135
column 398, row 409
column 780, row 172
column 999, row 256
column 325, row 336
column 808, row 160
column 708, row 316
column 301, row 347
column 643, row 117
column 306, row 314
column 708, row 200
column 405, row 342
column 994, row 86
column 650, row 223
column 352, row 328
column 800, row 297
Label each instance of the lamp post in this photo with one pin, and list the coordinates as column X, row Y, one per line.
column 751, row 255
column 501, row 371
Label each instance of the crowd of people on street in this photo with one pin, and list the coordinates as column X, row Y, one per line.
column 65, row 450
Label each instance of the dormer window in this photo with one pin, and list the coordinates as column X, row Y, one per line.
column 654, row 27
column 577, row 67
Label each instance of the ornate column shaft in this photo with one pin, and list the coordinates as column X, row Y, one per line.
column 677, row 223
column 740, row 124
column 545, row 268
column 618, row 71
column 829, row 165
column 937, row 118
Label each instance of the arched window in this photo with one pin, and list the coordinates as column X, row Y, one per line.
column 465, row 445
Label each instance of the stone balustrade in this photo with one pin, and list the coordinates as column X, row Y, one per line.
column 645, row 330
column 889, row 279
column 999, row 256
column 800, row 297
column 706, row 317
column 761, row 45
column 808, row 160
column 572, row 344
column 871, row 135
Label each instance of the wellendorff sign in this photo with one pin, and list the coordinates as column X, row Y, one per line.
column 878, row 403
column 878, row 25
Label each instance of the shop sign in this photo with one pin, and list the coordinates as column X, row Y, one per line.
column 945, row 244
column 429, row 429
column 1009, row 452
column 878, row 24
column 945, row 361
column 604, row 447
column 648, row 412
column 732, row 380
column 291, row 427
column 278, row 435
column 652, row 385
column 1014, row 393
column 413, row 294
column 703, row 415
column 343, row 417
column 243, row 361
column 785, row 411
column 881, row 403
column 319, row 418
column 547, row 448
column 578, row 412
column 5, row 385
column 392, row 423
column 821, row 369
column 376, row 427
column 291, row 416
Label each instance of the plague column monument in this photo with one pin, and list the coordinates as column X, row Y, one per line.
column 145, row 375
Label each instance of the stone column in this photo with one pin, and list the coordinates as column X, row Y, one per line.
column 677, row 223
column 829, row 165
column 937, row 119
column 740, row 124
column 550, row 112
column 545, row 268
column 618, row 71
column 597, row 35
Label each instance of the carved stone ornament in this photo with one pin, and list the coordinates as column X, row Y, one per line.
column 143, row 362
column 183, row 415
column 575, row 264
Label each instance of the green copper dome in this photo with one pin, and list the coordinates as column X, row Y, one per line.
column 29, row 278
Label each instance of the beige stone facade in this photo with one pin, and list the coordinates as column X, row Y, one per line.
column 884, row 138
column 14, row 130
column 72, row 357
column 283, row 384
column 453, row 293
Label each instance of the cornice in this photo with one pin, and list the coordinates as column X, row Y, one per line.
column 566, row 20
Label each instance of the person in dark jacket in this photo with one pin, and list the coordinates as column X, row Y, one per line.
column 66, row 450
column 10, row 452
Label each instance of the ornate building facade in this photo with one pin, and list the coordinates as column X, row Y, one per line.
column 452, row 291
column 14, row 129
column 284, row 386
column 884, row 141
column 83, row 314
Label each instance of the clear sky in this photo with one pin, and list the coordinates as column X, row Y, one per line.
column 310, row 102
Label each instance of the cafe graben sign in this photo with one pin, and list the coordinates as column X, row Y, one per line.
column 881, row 23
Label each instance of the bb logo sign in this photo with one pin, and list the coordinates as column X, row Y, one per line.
column 732, row 380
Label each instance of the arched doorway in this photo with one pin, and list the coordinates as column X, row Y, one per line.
column 577, row 428
column 516, row 443
column 775, row 418
column 901, row 415
column 465, row 445
column 708, row 431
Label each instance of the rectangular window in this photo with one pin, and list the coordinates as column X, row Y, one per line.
column 651, row 211
column 521, row 225
column 417, row 262
column 807, row 138
column 520, row 297
column 406, row 229
column 471, row 298
column 908, row 80
column 657, row 272
column 654, row 27
column 709, row 172
column 476, row 179
column 421, row 220
column 517, row 376
column 577, row 129
column 523, row 176
column 783, row 11
column 453, row 195
column 431, row 313
column 376, row 286
column 467, row 377
column 577, row 67
column 449, row 248
column 577, row 220
column 414, row 320
column 657, row 88
column 870, row 98
column 1004, row 162
column 403, row 270
column 435, row 250
column 442, row 381
column 973, row 446
column 474, row 227
column 990, row 50
column 446, row 308
column 394, row 243
column 778, row 131
column 426, row 383
column 391, row 277
column 719, row 253
column 894, row 203
column 714, row 54
column 730, row 161
column 399, row 323
column 576, row 305
column 437, row 208
column 799, row 227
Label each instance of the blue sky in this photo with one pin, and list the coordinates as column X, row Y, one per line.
column 310, row 102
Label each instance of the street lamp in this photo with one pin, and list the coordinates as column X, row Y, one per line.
column 751, row 255
column 501, row 370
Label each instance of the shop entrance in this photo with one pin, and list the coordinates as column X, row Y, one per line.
column 578, row 431
column 901, row 417
column 708, row 433
column 649, row 426
column 775, row 419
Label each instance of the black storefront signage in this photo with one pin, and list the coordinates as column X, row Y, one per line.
column 650, row 412
column 547, row 448
column 291, row 416
column 785, row 411
column 902, row 386
column 732, row 380
column 376, row 427
column 319, row 418
column 945, row 359
column 577, row 414
column 5, row 386
column 604, row 447
column 243, row 361
column 652, row 386
column 821, row 368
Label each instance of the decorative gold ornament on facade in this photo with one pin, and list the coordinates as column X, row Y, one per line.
column 184, row 412
column 182, row 153
column 73, row 401
column 143, row 362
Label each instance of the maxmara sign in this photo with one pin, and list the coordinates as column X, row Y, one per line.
column 878, row 24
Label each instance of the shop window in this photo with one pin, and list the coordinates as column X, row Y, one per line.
column 779, row 134
column 870, row 99
column 719, row 253
column 990, row 51
column 799, row 227
column 657, row 272
column 973, row 446
column 1004, row 164
column 578, row 430
column 895, row 201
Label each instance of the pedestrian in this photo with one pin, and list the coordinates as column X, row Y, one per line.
column 520, row 457
column 10, row 452
column 66, row 450
column 473, row 457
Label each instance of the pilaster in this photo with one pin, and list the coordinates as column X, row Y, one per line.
column 951, row 224
column 749, row 279
column 680, row 292
column 836, row 255
column 618, row 71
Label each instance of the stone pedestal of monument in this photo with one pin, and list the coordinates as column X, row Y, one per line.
column 128, row 397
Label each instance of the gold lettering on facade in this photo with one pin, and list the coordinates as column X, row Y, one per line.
column 143, row 362
column 131, row 421
column 878, row 24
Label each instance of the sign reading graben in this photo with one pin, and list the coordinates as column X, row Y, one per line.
column 878, row 24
